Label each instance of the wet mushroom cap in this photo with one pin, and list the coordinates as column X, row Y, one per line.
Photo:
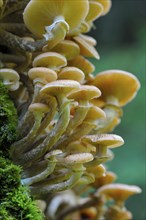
column 59, row 87
column 118, row 192
column 109, row 140
column 85, row 92
column 117, row 83
column 42, row 74
column 50, row 60
column 39, row 14
column 72, row 73
column 10, row 78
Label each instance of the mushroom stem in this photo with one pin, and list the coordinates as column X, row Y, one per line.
column 51, row 163
column 79, row 116
column 17, row 43
column 56, row 31
column 53, row 136
column 80, row 131
column 113, row 114
column 52, row 188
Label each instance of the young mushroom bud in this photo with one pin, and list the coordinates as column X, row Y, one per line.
column 10, row 78
column 55, row 18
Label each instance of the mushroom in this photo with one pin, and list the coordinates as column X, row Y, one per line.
column 95, row 11
column 117, row 87
column 58, row 89
column 118, row 192
column 106, row 4
column 10, row 78
column 55, row 18
column 50, row 60
column 38, row 110
column 67, row 48
column 82, row 96
column 116, row 212
column 71, row 73
column 85, row 65
column 102, row 142
column 90, row 40
column 87, row 125
column 108, row 178
column 86, row 49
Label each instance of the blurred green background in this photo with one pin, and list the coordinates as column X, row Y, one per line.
column 121, row 37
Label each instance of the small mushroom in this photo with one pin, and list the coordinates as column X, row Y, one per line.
column 67, row 48
column 86, row 49
column 106, row 4
column 50, row 60
column 84, row 94
column 102, row 142
column 10, row 78
column 55, row 18
column 117, row 87
column 95, row 11
column 71, row 73
column 118, row 192
column 85, row 65
column 90, row 40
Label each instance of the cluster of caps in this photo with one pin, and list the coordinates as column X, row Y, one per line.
column 66, row 113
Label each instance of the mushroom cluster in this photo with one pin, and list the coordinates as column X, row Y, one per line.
column 66, row 114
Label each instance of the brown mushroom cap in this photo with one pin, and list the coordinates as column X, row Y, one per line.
column 109, row 140
column 40, row 14
column 94, row 114
column 86, row 49
column 42, row 75
column 51, row 60
column 59, row 87
column 72, row 73
column 10, row 78
column 85, row 92
column 118, row 192
column 117, row 84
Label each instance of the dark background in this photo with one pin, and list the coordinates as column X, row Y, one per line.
column 121, row 43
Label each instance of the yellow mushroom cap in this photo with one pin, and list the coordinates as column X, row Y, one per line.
column 59, row 87
column 109, row 140
column 85, row 92
column 86, row 49
column 85, row 65
column 51, row 60
column 72, row 73
column 106, row 5
column 78, row 158
column 39, row 14
column 90, row 40
column 10, row 78
column 67, row 48
column 42, row 75
column 94, row 113
column 117, row 84
column 95, row 11
column 118, row 192
column 38, row 108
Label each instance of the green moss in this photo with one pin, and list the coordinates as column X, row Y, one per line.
column 15, row 200
column 8, row 119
